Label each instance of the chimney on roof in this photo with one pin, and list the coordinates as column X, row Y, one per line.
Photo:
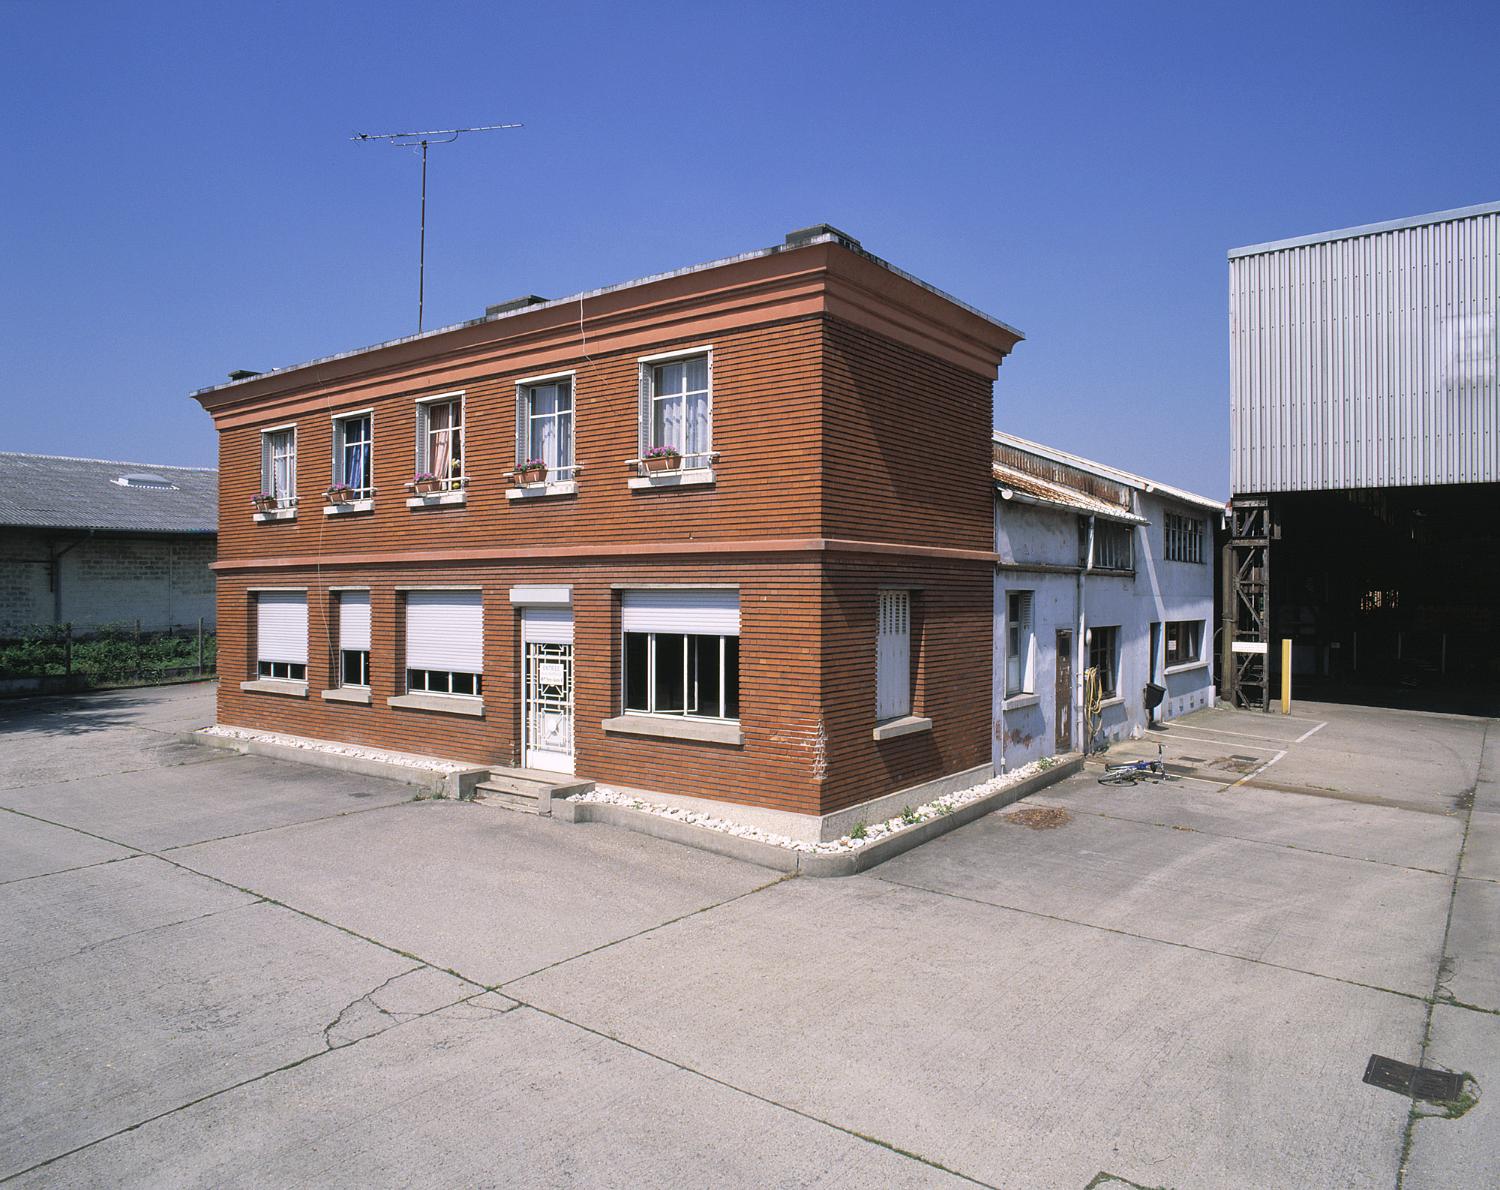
column 806, row 235
column 242, row 374
column 519, row 303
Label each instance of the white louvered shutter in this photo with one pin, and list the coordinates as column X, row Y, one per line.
column 547, row 625
column 445, row 631
column 422, row 463
column 893, row 656
column 523, row 423
column 703, row 613
column 281, row 626
column 643, row 412
column 354, row 621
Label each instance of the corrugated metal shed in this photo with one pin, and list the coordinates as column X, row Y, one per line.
column 1367, row 357
column 53, row 492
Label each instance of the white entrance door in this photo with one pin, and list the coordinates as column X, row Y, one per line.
column 547, row 669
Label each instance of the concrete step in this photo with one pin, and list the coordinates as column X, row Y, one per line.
column 529, row 791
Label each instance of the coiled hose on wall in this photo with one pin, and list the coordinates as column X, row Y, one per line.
column 1093, row 698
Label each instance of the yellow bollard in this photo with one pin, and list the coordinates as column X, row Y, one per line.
column 1286, row 675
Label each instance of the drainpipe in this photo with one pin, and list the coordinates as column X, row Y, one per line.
column 1080, row 649
column 55, row 573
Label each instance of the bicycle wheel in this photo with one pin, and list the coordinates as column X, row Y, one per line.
column 1121, row 777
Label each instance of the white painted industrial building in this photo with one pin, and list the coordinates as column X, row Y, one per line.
column 1098, row 568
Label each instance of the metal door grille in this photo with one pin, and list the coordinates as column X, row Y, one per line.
column 549, row 698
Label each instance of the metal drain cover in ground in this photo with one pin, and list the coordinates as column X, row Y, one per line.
column 1420, row 1082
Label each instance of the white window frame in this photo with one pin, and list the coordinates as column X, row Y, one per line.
column 276, row 670
column 268, row 459
column 893, row 678
column 1020, row 642
column 1182, row 537
column 450, row 482
column 340, row 444
column 441, row 681
column 646, row 410
column 688, row 687
column 341, row 593
column 526, row 419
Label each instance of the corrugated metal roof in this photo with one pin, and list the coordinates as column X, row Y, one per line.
column 1057, row 495
column 1367, row 229
column 57, row 492
column 575, row 299
column 1128, row 478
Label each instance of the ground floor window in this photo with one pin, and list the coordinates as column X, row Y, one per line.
column 293, row 671
column 443, row 681
column 281, row 635
column 678, row 673
column 355, row 668
column 1104, row 656
column 1018, row 643
column 1184, row 642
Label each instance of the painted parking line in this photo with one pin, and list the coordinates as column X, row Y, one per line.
column 1307, row 734
column 1256, row 772
column 1175, row 728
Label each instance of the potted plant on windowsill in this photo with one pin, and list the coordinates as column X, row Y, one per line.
column 662, row 458
column 423, row 483
column 263, row 501
column 339, row 493
column 532, row 471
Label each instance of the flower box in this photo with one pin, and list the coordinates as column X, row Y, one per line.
column 532, row 471
column 661, row 458
column 263, row 502
column 339, row 494
column 423, row 485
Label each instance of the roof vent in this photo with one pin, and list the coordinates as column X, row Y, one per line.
column 806, row 235
column 519, row 303
column 242, row 374
column 145, row 479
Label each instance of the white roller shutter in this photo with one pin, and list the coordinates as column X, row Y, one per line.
column 281, row 626
column 705, row 613
column 547, row 625
column 354, row 621
column 445, row 631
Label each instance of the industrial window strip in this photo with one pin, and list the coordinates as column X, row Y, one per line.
column 1182, row 538
column 1112, row 544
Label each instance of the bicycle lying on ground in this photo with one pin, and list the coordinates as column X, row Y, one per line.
column 1137, row 770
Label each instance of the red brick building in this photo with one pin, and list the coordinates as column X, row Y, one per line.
column 793, row 614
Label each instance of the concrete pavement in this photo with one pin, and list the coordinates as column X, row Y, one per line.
column 220, row 970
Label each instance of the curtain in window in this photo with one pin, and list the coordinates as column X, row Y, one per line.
column 441, row 431
column 667, row 427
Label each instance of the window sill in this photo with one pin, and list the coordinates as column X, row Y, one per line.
column 1016, row 701
column 448, row 704
column 906, row 725
column 531, row 491
column 688, row 477
column 280, row 686
column 277, row 514
column 433, row 499
column 347, row 694
column 349, row 506
column 1186, row 667
column 672, row 727
column 1117, row 701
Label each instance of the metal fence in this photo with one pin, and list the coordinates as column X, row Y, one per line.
column 55, row 658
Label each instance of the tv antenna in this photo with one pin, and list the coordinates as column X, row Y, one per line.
column 412, row 140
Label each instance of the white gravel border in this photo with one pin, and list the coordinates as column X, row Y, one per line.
column 406, row 759
column 873, row 833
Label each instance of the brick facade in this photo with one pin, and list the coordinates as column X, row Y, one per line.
column 851, row 415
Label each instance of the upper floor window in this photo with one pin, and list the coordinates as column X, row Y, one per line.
column 440, row 440
column 544, row 425
column 1112, row 546
column 278, row 465
column 676, row 407
column 1183, row 538
column 353, row 454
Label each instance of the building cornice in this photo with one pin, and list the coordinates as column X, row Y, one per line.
column 599, row 551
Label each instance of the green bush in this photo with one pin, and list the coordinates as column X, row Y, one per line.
column 112, row 652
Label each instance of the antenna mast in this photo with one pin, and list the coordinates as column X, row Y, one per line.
column 412, row 140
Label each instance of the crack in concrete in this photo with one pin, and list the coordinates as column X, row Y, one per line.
column 1413, row 1114
column 369, row 998
column 114, row 859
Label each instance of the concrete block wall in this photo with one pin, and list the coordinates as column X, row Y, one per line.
column 161, row 580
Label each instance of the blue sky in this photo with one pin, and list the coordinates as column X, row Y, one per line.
column 181, row 197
